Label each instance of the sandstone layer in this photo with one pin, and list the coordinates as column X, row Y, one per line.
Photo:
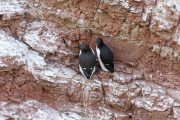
column 39, row 76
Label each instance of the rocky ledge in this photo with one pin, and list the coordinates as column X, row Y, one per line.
column 39, row 76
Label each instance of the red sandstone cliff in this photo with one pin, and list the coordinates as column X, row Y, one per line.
column 39, row 77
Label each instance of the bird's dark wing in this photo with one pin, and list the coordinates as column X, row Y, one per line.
column 107, row 58
column 106, row 55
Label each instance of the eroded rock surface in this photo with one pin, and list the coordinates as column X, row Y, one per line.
column 39, row 76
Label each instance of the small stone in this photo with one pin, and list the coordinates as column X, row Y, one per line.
column 131, row 64
column 36, row 4
column 166, row 51
column 176, row 54
column 156, row 49
column 137, row 74
column 122, row 77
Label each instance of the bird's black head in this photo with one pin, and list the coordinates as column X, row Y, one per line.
column 99, row 42
column 84, row 47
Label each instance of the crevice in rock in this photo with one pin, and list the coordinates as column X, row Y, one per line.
column 103, row 92
column 97, row 10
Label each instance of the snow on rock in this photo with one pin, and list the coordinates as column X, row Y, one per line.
column 104, row 114
column 122, row 77
column 55, row 73
column 42, row 36
column 142, row 94
column 174, row 3
column 34, row 61
column 35, row 110
column 161, row 17
column 124, row 3
column 11, row 50
column 164, row 13
column 116, row 95
column 11, row 7
column 64, row 14
column 176, row 111
column 15, row 53
column 153, row 97
column 87, row 91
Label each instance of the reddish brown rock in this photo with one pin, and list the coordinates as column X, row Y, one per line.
column 38, row 59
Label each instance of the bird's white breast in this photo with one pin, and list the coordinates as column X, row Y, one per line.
column 80, row 52
column 94, row 69
column 99, row 59
column 80, row 68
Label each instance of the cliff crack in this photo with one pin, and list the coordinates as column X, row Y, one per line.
column 103, row 92
column 96, row 10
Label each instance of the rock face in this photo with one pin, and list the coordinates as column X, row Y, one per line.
column 39, row 76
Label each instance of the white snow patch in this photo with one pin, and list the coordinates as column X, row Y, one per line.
column 12, row 49
column 64, row 14
column 176, row 111
column 33, row 110
column 10, row 7
column 19, row 54
column 117, row 89
column 34, row 61
column 122, row 77
column 174, row 3
column 149, row 96
column 153, row 97
column 56, row 73
column 160, row 16
column 162, row 13
column 124, row 3
column 70, row 116
column 42, row 36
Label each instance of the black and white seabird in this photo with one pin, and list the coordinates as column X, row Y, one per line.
column 87, row 61
column 105, row 56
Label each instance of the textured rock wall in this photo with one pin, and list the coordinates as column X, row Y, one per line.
column 39, row 77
